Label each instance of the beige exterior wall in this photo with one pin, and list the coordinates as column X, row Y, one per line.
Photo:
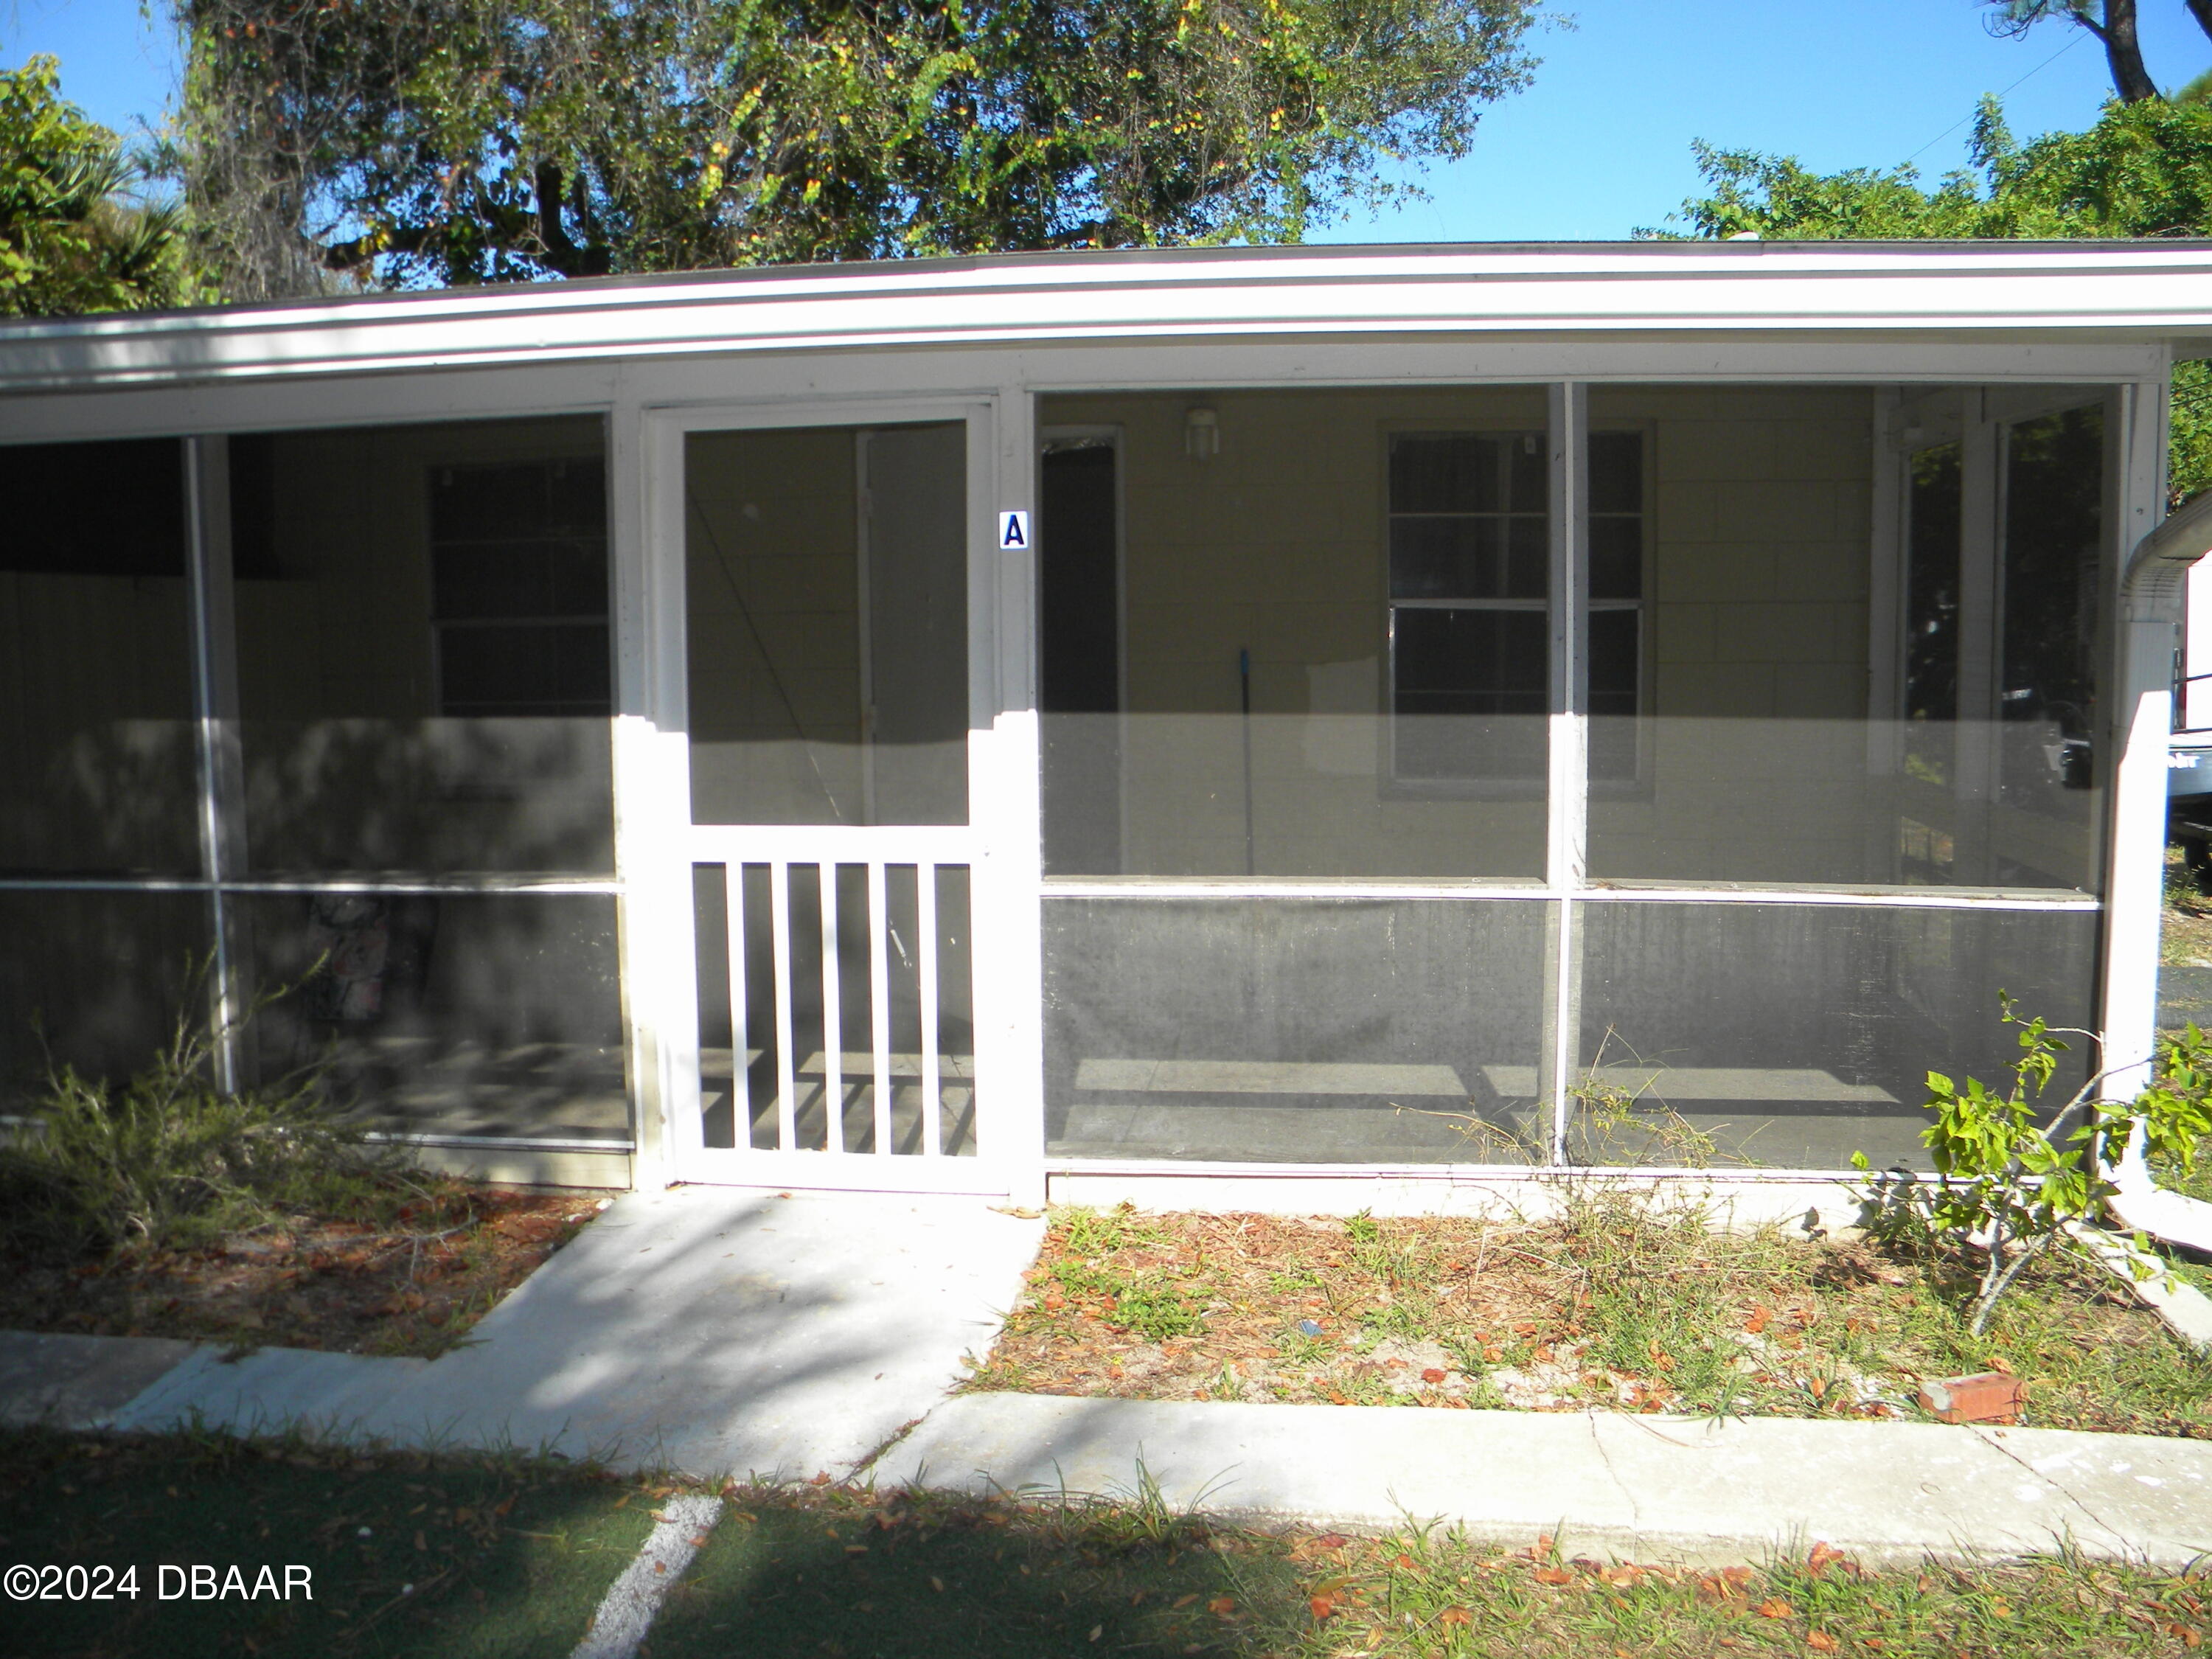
column 1758, row 540
column 348, row 762
column 1276, row 545
column 1754, row 758
column 341, row 627
column 95, row 739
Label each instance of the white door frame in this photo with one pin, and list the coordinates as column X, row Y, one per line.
column 660, row 843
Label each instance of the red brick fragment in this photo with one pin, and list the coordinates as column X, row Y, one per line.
column 1983, row 1397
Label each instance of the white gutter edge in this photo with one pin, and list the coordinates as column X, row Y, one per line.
column 2151, row 594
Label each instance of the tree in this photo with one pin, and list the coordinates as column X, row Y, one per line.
column 457, row 141
column 72, row 236
column 2144, row 169
column 2113, row 23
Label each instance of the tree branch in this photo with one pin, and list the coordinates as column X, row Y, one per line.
column 2123, row 53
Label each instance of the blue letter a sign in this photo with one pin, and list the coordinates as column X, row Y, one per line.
column 1013, row 532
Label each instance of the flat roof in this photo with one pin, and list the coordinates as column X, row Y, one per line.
column 2139, row 290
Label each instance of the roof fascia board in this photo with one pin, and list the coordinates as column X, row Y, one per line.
column 2147, row 292
column 295, row 401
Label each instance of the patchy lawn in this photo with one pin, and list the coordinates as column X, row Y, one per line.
column 844, row 1574
column 484, row 1556
column 1621, row 1303
column 406, row 1271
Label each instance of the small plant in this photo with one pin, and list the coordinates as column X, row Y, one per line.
column 167, row 1160
column 2008, row 1180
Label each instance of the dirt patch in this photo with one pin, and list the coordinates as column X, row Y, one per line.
column 1616, row 1306
column 413, row 1285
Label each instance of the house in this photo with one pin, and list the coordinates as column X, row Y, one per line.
column 1274, row 723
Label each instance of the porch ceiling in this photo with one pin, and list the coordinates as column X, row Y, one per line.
column 2114, row 291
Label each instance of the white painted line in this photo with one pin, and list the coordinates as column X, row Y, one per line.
column 626, row 1612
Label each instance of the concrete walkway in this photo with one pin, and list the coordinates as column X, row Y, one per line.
column 720, row 1332
column 1604, row 1483
column 702, row 1328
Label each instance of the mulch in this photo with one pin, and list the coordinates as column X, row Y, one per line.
column 413, row 1287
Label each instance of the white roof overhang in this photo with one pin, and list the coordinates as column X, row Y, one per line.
column 2139, row 292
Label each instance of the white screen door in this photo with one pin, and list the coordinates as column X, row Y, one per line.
column 825, row 645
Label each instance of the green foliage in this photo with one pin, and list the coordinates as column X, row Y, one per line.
column 2010, row 1175
column 167, row 1160
column 2189, row 456
column 2144, row 169
column 71, row 238
column 456, row 141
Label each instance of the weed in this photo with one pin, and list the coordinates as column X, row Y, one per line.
column 167, row 1160
column 1621, row 1297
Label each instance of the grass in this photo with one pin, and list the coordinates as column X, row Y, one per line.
column 510, row 1556
column 846, row 1574
column 1620, row 1302
column 2186, row 937
column 409, row 1554
column 2198, row 1184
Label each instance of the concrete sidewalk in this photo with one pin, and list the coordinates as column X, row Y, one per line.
column 707, row 1330
column 723, row 1332
column 1647, row 1489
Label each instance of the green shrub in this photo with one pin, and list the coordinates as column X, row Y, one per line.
column 167, row 1160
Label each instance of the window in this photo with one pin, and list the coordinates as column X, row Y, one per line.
column 518, row 571
column 1616, row 603
column 1469, row 582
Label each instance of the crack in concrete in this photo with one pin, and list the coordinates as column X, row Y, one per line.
column 1605, row 1457
column 868, row 1460
column 1987, row 1436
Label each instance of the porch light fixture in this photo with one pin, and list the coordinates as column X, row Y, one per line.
column 1201, row 434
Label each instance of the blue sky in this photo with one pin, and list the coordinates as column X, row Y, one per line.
column 1599, row 145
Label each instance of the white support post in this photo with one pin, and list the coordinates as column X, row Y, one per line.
column 652, row 788
column 2152, row 588
column 1567, row 845
column 214, row 710
column 1007, row 894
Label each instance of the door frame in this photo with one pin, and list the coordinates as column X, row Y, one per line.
column 655, row 843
